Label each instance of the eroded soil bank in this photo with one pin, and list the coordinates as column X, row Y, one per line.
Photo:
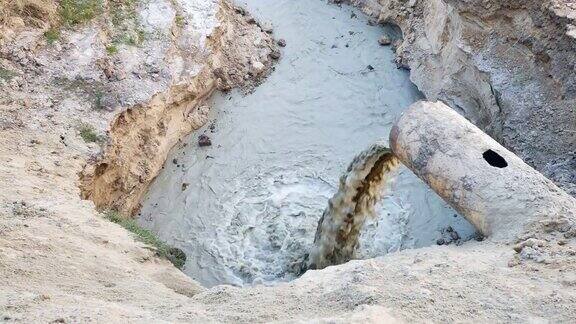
column 228, row 50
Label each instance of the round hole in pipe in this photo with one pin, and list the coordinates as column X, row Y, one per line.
column 495, row 159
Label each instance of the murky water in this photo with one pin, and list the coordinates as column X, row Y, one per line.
column 245, row 210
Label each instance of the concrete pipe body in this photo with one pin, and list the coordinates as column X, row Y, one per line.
column 487, row 184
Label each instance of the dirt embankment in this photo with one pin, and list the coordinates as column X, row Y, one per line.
column 237, row 55
column 145, row 69
column 508, row 66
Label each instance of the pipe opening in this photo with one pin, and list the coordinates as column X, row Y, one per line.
column 495, row 159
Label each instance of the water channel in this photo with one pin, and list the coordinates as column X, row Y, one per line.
column 245, row 209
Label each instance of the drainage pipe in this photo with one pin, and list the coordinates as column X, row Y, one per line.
column 487, row 184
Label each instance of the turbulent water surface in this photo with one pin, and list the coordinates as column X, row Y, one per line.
column 245, row 210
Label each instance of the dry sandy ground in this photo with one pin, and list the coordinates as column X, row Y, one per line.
column 60, row 261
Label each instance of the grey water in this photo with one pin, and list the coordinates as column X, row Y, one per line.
column 245, row 210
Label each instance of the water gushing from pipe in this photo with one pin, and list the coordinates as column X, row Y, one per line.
column 360, row 188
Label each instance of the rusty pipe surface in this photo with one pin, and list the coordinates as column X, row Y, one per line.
column 486, row 183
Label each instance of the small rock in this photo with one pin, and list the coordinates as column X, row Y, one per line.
column 258, row 66
column 384, row 40
column 275, row 55
column 267, row 28
column 240, row 10
column 281, row 42
column 514, row 262
column 204, row 140
column 184, row 186
column 530, row 243
column 440, row 241
column 370, row 68
column 454, row 236
column 174, row 161
column 17, row 22
column 44, row 297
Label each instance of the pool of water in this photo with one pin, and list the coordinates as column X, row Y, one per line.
column 245, row 209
